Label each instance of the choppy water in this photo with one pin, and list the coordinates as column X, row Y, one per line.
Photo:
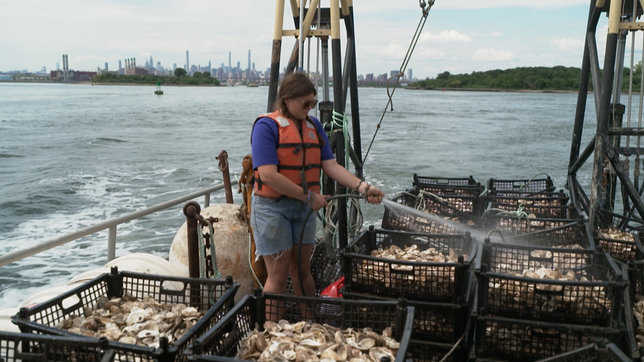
column 75, row 155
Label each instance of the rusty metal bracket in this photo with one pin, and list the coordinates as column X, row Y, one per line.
column 223, row 167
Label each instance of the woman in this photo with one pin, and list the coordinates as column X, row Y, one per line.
column 289, row 147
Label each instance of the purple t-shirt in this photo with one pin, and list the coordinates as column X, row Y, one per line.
column 265, row 138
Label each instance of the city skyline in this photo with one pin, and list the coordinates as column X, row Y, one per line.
column 460, row 36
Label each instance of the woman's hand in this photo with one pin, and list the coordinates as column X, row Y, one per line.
column 319, row 202
column 373, row 195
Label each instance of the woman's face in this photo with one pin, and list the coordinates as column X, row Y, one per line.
column 299, row 107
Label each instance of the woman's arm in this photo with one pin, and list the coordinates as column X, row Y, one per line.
column 280, row 183
column 343, row 177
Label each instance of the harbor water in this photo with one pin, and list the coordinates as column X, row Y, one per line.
column 75, row 155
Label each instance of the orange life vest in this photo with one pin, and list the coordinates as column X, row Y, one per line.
column 295, row 153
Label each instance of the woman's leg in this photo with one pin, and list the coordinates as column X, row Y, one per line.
column 277, row 267
column 307, row 278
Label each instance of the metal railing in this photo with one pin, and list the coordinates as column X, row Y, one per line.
column 110, row 224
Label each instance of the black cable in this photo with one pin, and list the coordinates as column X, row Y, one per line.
column 306, row 218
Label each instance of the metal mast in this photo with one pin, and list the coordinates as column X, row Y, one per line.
column 612, row 145
column 323, row 23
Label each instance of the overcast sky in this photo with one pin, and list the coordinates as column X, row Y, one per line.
column 460, row 36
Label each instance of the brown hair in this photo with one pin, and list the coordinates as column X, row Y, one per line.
column 293, row 85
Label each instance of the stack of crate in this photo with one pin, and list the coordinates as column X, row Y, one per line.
column 451, row 200
column 215, row 297
column 537, row 302
column 234, row 332
column 531, row 211
column 441, row 291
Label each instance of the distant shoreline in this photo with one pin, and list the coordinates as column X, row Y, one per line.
column 495, row 90
column 241, row 85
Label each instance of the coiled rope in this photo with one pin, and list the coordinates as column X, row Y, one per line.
column 340, row 123
column 419, row 28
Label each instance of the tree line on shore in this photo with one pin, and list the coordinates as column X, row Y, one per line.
column 180, row 77
column 526, row 78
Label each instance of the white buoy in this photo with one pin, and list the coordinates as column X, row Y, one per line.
column 51, row 293
column 146, row 263
column 6, row 325
column 231, row 246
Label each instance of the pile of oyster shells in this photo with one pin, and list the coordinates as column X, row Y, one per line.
column 306, row 341
column 133, row 321
column 638, row 313
column 587, row 300
column 380, row 271
column 616, row 234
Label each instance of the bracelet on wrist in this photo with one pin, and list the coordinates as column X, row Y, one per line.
column 308, row 198
column 366, row 188
column 357, row 189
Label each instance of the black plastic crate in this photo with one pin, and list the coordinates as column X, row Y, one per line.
column 223, row 341
column 423, row 281
column 423, row 351
column 636, row 277
column 433, row 322
column 403, row 218
column 527, row 186
column 463, row 209
column 16, row 347
column 595, row 352
column 214, row 296
column 610, row 223
column 449, row 186
column 620, row 249
column 539, row 231
column 605, row 219
column 506, row 339
column 506, row 290
column 552, row 207
column 327, row 265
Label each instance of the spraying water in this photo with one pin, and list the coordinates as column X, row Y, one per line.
column 419, row 221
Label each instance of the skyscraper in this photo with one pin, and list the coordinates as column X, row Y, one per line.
column 187, row 61
column 248, row 59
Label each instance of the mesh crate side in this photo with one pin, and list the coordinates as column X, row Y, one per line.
column 16, row 347
column 127, row 283
column 445, row 181
column 423, row 281
column 513, row 339
column 223, row 305
column 224, row 339
column 435, row 322
column 596, row 352
column 408, row 221
column 521, row 185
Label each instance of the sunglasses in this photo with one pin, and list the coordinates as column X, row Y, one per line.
column 308, row 103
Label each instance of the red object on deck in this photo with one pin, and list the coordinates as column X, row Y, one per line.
column 333, row 290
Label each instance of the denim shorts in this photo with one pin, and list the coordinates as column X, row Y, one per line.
column 277, row 224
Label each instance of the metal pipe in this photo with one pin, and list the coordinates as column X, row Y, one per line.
column 355, row 106
column 596, row 189
column 275, row 55
column 24, row 253
column 300, row 41
column 596, row 72
column 582, row 159
column 223, row 167
column 191, row 209
column 111, row 243
column 583, row 94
